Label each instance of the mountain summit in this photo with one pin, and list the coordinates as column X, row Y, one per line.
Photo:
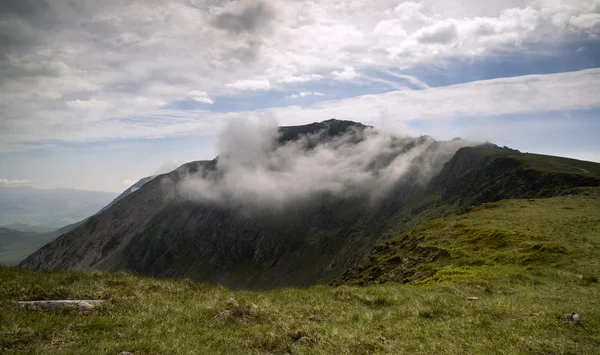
column 293, row 206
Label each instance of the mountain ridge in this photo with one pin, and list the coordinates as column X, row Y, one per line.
column 314, row 242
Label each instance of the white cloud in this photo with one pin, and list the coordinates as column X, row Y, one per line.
column 524, row 94
column 306, row 93
column 255, row 172
column 300, row 78
column 251, row 85
column 310, row 93
column 411, row 79
column 441, row 32
column 91, row 104
column 14, row 182
column 200, row 96
column 585, row 21
column 109, row 69
column 347, row 74
column 129, row 182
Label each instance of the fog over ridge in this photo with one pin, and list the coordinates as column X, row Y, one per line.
column 254, row 168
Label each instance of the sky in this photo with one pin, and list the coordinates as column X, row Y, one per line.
column 97, row 94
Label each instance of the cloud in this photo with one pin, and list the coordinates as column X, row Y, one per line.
column 524, row 94
column 129, row 182
column 442, row 33
column 411, row 79
column 109, row 69
column 249, row 19
column 254, row 171
column 347, row 74
column 585, row 21
column 306, row 93
column 91, row 104
column 252, row 85
column 200, row 96
column 300, row 78
column 14, row 182
column 166, row 167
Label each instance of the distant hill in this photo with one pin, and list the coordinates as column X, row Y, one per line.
column 330, row 226
column 18, row 240
column 17, row 245
column 23, row 227
column 48, row 209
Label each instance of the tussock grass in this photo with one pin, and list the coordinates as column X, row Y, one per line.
column 529, row 263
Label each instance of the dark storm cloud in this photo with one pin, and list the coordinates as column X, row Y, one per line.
column 251, row 19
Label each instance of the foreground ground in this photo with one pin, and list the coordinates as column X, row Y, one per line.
column 528, row 262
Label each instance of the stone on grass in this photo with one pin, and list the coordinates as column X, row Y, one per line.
column 303, row 341
column 47, row 305
column 472, row 298
column 574, row 317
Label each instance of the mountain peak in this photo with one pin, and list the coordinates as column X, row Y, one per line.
column 331, row 128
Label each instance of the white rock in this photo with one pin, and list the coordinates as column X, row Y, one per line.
column 472, row 298
column 85, row 305
column 575, row 317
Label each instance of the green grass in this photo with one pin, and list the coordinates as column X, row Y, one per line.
column 528, row 262
column 561, row 232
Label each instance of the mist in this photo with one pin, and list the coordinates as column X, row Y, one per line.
column 255, row 169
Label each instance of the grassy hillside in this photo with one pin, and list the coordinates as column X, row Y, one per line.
column 16, row 245
column 562, row 233
column 528, row 262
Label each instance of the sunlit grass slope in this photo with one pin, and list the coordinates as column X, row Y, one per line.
column 528, row 262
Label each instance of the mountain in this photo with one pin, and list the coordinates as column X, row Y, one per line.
column 50, row 208
column 23, row 227
column 129, row 190
column 502, row 278
column 16, row 245
column 18, row 240
column 302, row 206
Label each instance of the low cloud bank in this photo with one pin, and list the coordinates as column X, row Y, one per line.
column 255, row 169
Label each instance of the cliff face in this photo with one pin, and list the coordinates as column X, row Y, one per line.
column 152, row 232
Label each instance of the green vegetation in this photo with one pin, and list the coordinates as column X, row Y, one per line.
column 528, row 262
column 561, row 232
column 16, row 245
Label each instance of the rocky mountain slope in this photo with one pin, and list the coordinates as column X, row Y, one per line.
column 131, row 189
column 208, row 232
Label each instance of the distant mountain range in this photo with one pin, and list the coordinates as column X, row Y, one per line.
column 48, row 209
column 302, row 206
column 53, row 207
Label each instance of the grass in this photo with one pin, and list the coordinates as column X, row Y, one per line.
column 561, row 232
column 529, row 263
